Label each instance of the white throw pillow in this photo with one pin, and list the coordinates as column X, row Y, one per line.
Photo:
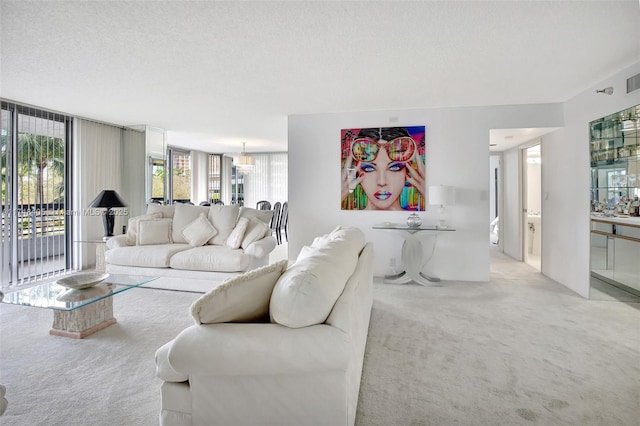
column 154, row 231
column 239, row 299
column 264, row 215
column 131, row 236
column 306, row 292
column 256, row 230
column 224, row 219
column 198, row 232
column 184, row 215
column 235, row 238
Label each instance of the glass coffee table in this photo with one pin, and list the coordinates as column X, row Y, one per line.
column 77, row 313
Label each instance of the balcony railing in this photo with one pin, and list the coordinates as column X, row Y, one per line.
column 40, row 240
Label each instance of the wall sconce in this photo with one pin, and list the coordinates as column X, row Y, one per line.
column 442, row 195
column 606, row 90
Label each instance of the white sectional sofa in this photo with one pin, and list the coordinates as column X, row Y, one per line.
column 186, row 241
column 277, row 345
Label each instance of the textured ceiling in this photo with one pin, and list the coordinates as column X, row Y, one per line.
column 214, row 74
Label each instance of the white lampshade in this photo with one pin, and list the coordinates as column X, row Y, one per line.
column 442, row 195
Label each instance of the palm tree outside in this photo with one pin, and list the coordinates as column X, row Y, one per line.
column 37, row 153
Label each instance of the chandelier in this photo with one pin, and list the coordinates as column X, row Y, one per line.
column 243, row 162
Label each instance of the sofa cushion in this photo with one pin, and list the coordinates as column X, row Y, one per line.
column 184, row 215
column 243, row 298
column 156, row 256
column 256, row 230
column 211, row 258
column 264, row 215
column 318, row 241
column 235, row 238
column 305, row 251
column 198, row 232
column 224, row 219
column 307, row 291
column 132, row 227
column 165, row 211
column 154, row 231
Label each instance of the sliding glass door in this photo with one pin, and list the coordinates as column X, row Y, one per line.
column 35, row 186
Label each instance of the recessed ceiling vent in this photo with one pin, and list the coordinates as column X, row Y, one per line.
column 633, row 83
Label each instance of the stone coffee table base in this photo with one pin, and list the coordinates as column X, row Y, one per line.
column 82, row 322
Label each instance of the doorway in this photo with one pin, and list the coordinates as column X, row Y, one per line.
column 532, row 205
column 35, row 229
column 495, row 182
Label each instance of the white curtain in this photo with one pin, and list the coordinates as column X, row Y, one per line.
column 268, row 179
column 134, row 172
column 97, row 165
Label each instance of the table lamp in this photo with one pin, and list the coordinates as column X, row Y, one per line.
column 108, row 199
column 441, row 195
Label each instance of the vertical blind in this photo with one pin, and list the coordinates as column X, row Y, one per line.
column 97, row 166
column 268, row 180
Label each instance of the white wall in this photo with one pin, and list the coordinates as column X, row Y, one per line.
column 457, row 155
column 512, row 205
column 199, row 176
column 534, row 205
column 566, row 181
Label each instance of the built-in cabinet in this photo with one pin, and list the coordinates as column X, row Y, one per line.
column 615, row 252
column 615, row 193
column 615, row 161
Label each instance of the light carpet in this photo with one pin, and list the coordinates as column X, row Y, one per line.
column 519, row 350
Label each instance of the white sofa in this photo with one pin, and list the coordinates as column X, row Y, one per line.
column 187, row 241
column 275, row 346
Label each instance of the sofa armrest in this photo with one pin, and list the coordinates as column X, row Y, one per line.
column 258, row 348
column 117, row 241
column 163, row 369
column 261, row 247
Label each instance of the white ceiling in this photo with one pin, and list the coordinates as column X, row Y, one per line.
column 504, row 139
column 214, row 74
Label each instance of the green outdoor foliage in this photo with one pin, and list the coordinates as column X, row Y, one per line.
column 181, row 184
column 41, row 164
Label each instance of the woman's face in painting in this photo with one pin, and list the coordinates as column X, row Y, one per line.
column 383, row 181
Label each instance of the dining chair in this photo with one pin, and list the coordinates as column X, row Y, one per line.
column 275, row 220
column 263, row 205
column 284, row 222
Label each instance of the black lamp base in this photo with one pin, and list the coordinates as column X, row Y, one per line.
column 109, row 219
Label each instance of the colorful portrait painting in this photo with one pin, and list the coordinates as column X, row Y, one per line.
column 383, row 168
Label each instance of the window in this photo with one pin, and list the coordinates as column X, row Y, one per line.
column 237, row 186
column 156, row 178
column 214, row 178
column 179, row 180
